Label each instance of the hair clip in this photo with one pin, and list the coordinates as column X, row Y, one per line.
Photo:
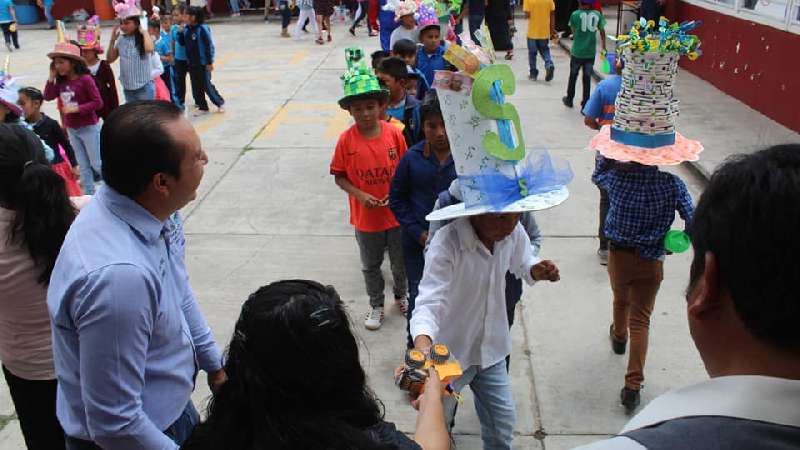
column 324, row 316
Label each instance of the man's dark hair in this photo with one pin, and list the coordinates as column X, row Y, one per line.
column 749, row 218
column 135, row 144
column 154, row 23
column 394, row 67
column 430, row 106
column 404, row 47
column 376, row 58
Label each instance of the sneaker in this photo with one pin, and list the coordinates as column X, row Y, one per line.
column 566, row 101
column 220, row 109
column 236, row 14
column 284, row 33
column 533, row 76
column 8, row 46
column 630, row 399
column 402, row 304
column 602, row 255
column 200, row 112
column 374, row 318
column 617, row 347
column 550, row 72
column 352, row 31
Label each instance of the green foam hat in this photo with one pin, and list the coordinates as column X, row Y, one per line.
column 359, row 80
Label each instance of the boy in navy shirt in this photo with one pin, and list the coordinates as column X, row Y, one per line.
column 394, row 75
column 200, row 53
column 424, row 171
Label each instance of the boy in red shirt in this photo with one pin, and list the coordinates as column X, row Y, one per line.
column 363, row 164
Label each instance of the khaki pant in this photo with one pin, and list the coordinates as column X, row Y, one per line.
column 635, row 282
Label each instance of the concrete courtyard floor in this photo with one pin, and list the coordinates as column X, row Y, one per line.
column 268, row 209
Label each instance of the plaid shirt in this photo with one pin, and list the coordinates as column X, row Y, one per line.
column 642, row 206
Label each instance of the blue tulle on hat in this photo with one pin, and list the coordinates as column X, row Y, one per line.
column 538, row 173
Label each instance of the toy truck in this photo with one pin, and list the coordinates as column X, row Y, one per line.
column 415, row 372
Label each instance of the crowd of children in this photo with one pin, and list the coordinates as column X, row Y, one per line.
column 154, row 64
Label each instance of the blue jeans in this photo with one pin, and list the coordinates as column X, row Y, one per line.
column 414, row 260
column 234, row 6
column 85, row 142
column 538, row 46
column 179, row 431
column 575, row 66
column 494, row 404
column 146, row 92
column 48, row 14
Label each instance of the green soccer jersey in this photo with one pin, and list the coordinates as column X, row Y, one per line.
column 585, row 24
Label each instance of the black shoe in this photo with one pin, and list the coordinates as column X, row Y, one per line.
column 533, row 76
column 550, row 72
column 567, row 102
column 352, row 31
column 630, row 399
column 617, row 346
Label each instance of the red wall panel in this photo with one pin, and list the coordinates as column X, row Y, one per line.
column 755, row 63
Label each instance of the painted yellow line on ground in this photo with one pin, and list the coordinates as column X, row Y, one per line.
column 272, row 124
column 209, row 122
column 298, row 57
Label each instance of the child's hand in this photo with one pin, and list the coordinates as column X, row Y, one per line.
column 71, row 109
column 115, row 31
column 76, row 173
column 545, row 270
column 210, row 67
column 368, row 200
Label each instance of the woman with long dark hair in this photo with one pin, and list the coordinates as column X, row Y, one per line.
column 295, row 382
column 35, row 214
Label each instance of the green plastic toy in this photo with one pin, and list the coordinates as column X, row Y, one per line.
column 677, row 241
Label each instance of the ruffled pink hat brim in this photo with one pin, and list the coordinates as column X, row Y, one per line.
column 681, row 151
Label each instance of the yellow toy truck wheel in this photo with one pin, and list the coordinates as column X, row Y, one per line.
column 440, row 353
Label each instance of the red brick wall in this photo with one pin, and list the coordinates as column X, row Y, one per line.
column 757, row 64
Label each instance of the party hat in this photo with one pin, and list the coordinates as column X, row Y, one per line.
column 646, row 109
column 359, row 81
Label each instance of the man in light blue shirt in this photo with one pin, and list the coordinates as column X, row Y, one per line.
column 128, row 334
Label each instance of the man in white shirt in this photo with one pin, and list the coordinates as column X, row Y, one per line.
column 743, row 309
column 461, row 303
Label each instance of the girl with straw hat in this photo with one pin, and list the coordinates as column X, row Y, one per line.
column 72, row 83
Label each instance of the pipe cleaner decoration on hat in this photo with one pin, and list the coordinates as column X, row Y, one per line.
column 496, row 173
column 643, row 130
column 64, row 48
column 359, row 81
column 89, row 35
column 126, row 8
column 401, row 8
column 9, row 92
column 426, row 17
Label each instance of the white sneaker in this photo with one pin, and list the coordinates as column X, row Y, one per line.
column 374, row 318
column 221, row 109
column 200, row 112
column 603, row 256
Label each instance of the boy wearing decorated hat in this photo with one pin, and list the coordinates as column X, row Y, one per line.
column 363, row 165
column 461, row 301
column 642, row 199
column 430, row 56
column 405, row 16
